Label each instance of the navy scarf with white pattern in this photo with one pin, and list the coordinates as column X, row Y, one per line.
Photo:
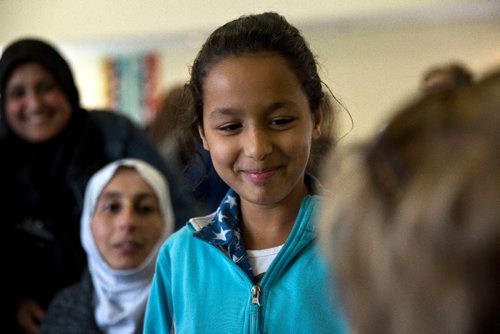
column 224, row 232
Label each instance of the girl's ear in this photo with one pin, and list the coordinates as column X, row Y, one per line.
column 203, row 139
column 317, row 121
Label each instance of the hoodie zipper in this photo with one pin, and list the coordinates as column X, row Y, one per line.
column 255, row 295
column 254, row 309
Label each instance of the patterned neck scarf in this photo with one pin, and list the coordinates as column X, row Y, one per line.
column 224, row 232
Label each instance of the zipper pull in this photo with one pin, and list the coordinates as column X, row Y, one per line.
column 255, row 295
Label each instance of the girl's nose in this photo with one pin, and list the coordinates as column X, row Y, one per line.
column 257, row 144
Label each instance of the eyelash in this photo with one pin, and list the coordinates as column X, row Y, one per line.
column 282, row 121
column 276, row 123
column 231, row 127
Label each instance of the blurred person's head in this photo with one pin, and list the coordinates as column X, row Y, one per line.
column 170, row 119
column 443, row 77
column 410, row 221
column 38, row 95
column 127, row 215
column 327, row 140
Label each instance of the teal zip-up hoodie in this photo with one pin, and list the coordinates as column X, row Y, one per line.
column 199, row 289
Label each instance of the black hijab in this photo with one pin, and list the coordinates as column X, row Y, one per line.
column 24, row 50
column 37, row 181
column 39, row 166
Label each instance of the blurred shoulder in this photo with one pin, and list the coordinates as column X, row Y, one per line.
column 72, row 308
column 109, row 117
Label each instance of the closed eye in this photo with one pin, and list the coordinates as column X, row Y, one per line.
column 281, row 122
column 111, row 207
column 229, row 128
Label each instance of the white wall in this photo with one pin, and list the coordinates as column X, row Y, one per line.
column 375, row 70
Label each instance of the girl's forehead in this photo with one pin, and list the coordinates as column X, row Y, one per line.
column 258, row 57
column 264, row 76
column 249, row 72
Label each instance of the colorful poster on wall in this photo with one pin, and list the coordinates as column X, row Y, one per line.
column 131, row 85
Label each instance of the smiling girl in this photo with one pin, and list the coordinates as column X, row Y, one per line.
column 252, row 266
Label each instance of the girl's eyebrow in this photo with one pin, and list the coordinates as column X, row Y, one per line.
column 278, row 105
column 220, row 112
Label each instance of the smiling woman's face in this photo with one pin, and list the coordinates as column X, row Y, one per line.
column 127, row 221
column 36, row 107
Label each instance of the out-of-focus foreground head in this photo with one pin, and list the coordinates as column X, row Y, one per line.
column 410, row 225
column 447, row 76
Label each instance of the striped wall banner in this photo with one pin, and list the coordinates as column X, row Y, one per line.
column 131, row 85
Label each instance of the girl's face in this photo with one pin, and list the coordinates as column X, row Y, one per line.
column 127, row 221
column 258, row 127
column 36, row 107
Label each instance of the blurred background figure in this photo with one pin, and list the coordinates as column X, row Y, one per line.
column 328, row 138
column 170, row 132
column 126, row 217
column 410, row 225
column 446, row 76
column 50, row 147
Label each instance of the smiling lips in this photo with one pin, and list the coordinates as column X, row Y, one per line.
column 261, row 175
column 38, row 118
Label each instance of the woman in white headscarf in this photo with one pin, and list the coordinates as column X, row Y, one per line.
column 127, row 215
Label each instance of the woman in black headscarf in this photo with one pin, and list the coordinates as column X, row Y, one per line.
column 49, row 147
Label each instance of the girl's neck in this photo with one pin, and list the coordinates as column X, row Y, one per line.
column 269, row 226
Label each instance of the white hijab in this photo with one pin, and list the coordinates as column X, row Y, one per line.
column 121, row 295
